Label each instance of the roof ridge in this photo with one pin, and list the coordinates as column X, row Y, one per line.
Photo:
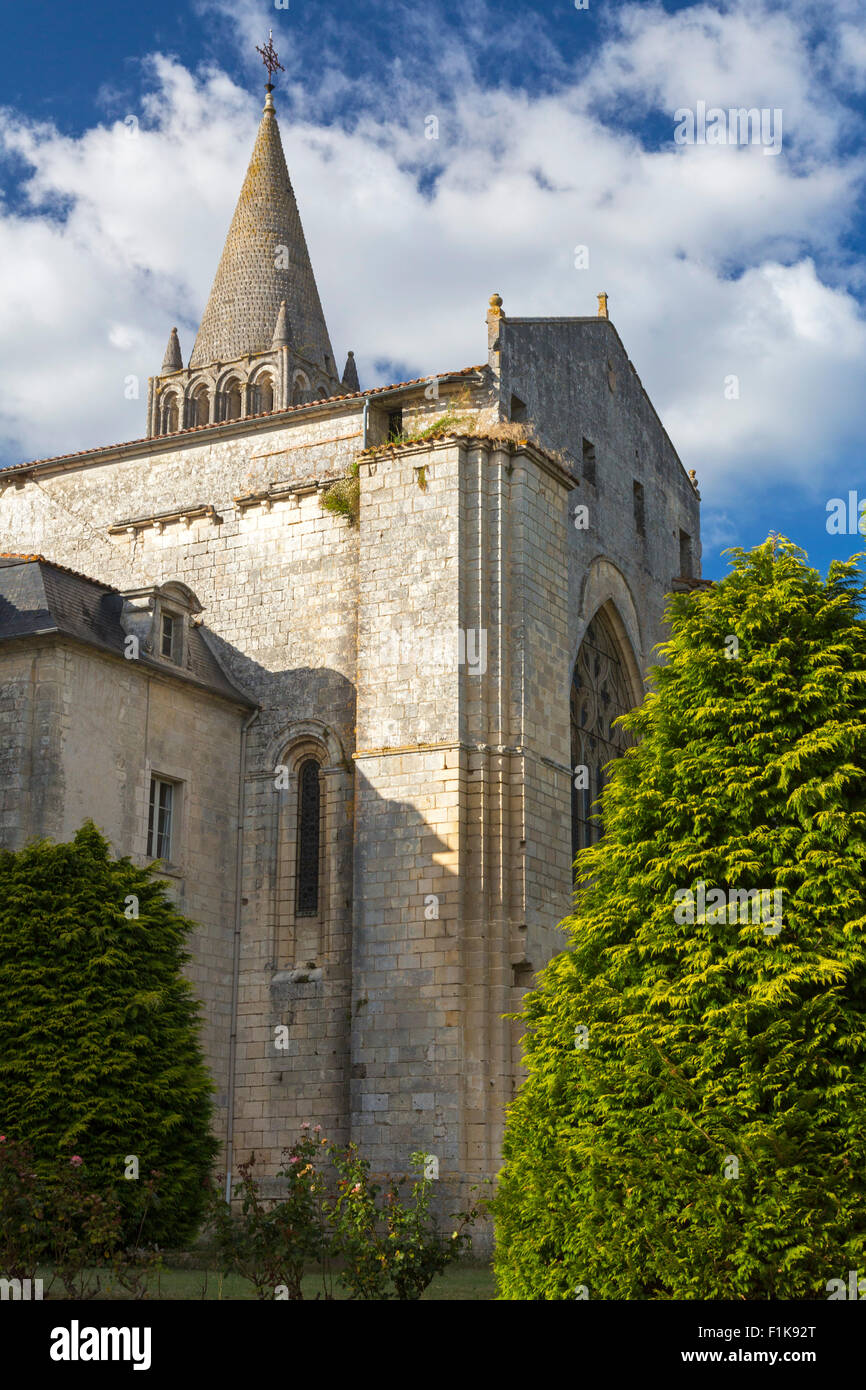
column 275, row 415
column 36, row 559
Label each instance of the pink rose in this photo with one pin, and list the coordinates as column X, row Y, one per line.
column 294, row 1159
column 305, row 1125
column 76, row 1161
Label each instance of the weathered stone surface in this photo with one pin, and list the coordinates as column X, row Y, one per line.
column 422, row 657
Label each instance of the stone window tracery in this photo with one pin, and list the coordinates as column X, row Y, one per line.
column 600, row 693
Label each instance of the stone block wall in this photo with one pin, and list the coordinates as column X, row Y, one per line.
column 89, row 732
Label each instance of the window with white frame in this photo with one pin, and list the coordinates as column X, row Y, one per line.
column 161, row 817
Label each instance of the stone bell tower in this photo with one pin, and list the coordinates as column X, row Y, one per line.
column 263, row 343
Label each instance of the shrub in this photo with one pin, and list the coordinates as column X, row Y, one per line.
column 380, row 1247
column 707, row 1140
column 99, row 1047
column 390, row 1249
column 271, row 1241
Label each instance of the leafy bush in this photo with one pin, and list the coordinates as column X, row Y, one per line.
column 706, row 1141
column 333, row 1218
column 62, row 1225
column 270, row 1242
column 389, row 1249
column 99, row 1048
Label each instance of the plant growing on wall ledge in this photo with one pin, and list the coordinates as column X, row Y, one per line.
column 343, row 497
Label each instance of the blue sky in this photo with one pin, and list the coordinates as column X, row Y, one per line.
column 125, row 131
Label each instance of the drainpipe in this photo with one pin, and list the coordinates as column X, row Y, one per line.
column 236, row 962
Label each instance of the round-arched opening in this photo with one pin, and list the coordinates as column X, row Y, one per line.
column 170, row 413
column 262, row 395
column 309, row 838
column 232, row 400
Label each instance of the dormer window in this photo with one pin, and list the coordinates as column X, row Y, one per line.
column 168, row 636
column 160, row 617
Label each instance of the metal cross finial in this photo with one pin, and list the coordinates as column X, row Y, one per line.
column 270, row 59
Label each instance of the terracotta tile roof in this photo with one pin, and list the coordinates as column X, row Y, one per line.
column 273, row 415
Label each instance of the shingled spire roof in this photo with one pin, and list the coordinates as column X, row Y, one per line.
column 264, row 261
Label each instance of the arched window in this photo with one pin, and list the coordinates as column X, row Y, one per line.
column 600, row 693
column 170, row 413
column 300, row 389
column 309, row 837
column 262, row 395
column 199, row 407
column 232, row 400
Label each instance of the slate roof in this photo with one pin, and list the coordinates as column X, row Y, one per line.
column 39, row 597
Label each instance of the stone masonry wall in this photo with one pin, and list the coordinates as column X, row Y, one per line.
column 104, row 726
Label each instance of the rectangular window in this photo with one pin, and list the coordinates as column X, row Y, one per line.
column 167, row 638
column 518, row 409
column 159, row 819
column 395, row 424
column 639, row 513
column 685, row 555
column 589, row 461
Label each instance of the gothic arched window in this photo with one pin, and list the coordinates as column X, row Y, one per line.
column 309, row 837
column 600, row 693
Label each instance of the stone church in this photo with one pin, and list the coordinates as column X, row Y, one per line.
column 345, row 663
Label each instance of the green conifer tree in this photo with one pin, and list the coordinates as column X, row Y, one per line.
column 99, row 1051
column 694, row 1117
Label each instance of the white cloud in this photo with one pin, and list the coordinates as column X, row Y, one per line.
column 711, row 256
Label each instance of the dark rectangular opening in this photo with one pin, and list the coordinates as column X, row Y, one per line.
column 685, row 555
column 639, row 511
column 395, row 424
column 517, row 410
column 589, row 461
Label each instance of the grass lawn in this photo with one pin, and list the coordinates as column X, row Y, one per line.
column 463, row 1281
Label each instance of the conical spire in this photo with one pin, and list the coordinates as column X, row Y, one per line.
column 350, row 374
column 283, row 330
column 172, row 362
column 264, row 261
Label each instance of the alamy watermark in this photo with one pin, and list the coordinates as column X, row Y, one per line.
column 437, row 652
column 741, row 905
column 738, row 125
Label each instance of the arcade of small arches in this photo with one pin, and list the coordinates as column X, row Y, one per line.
column 206, row 402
